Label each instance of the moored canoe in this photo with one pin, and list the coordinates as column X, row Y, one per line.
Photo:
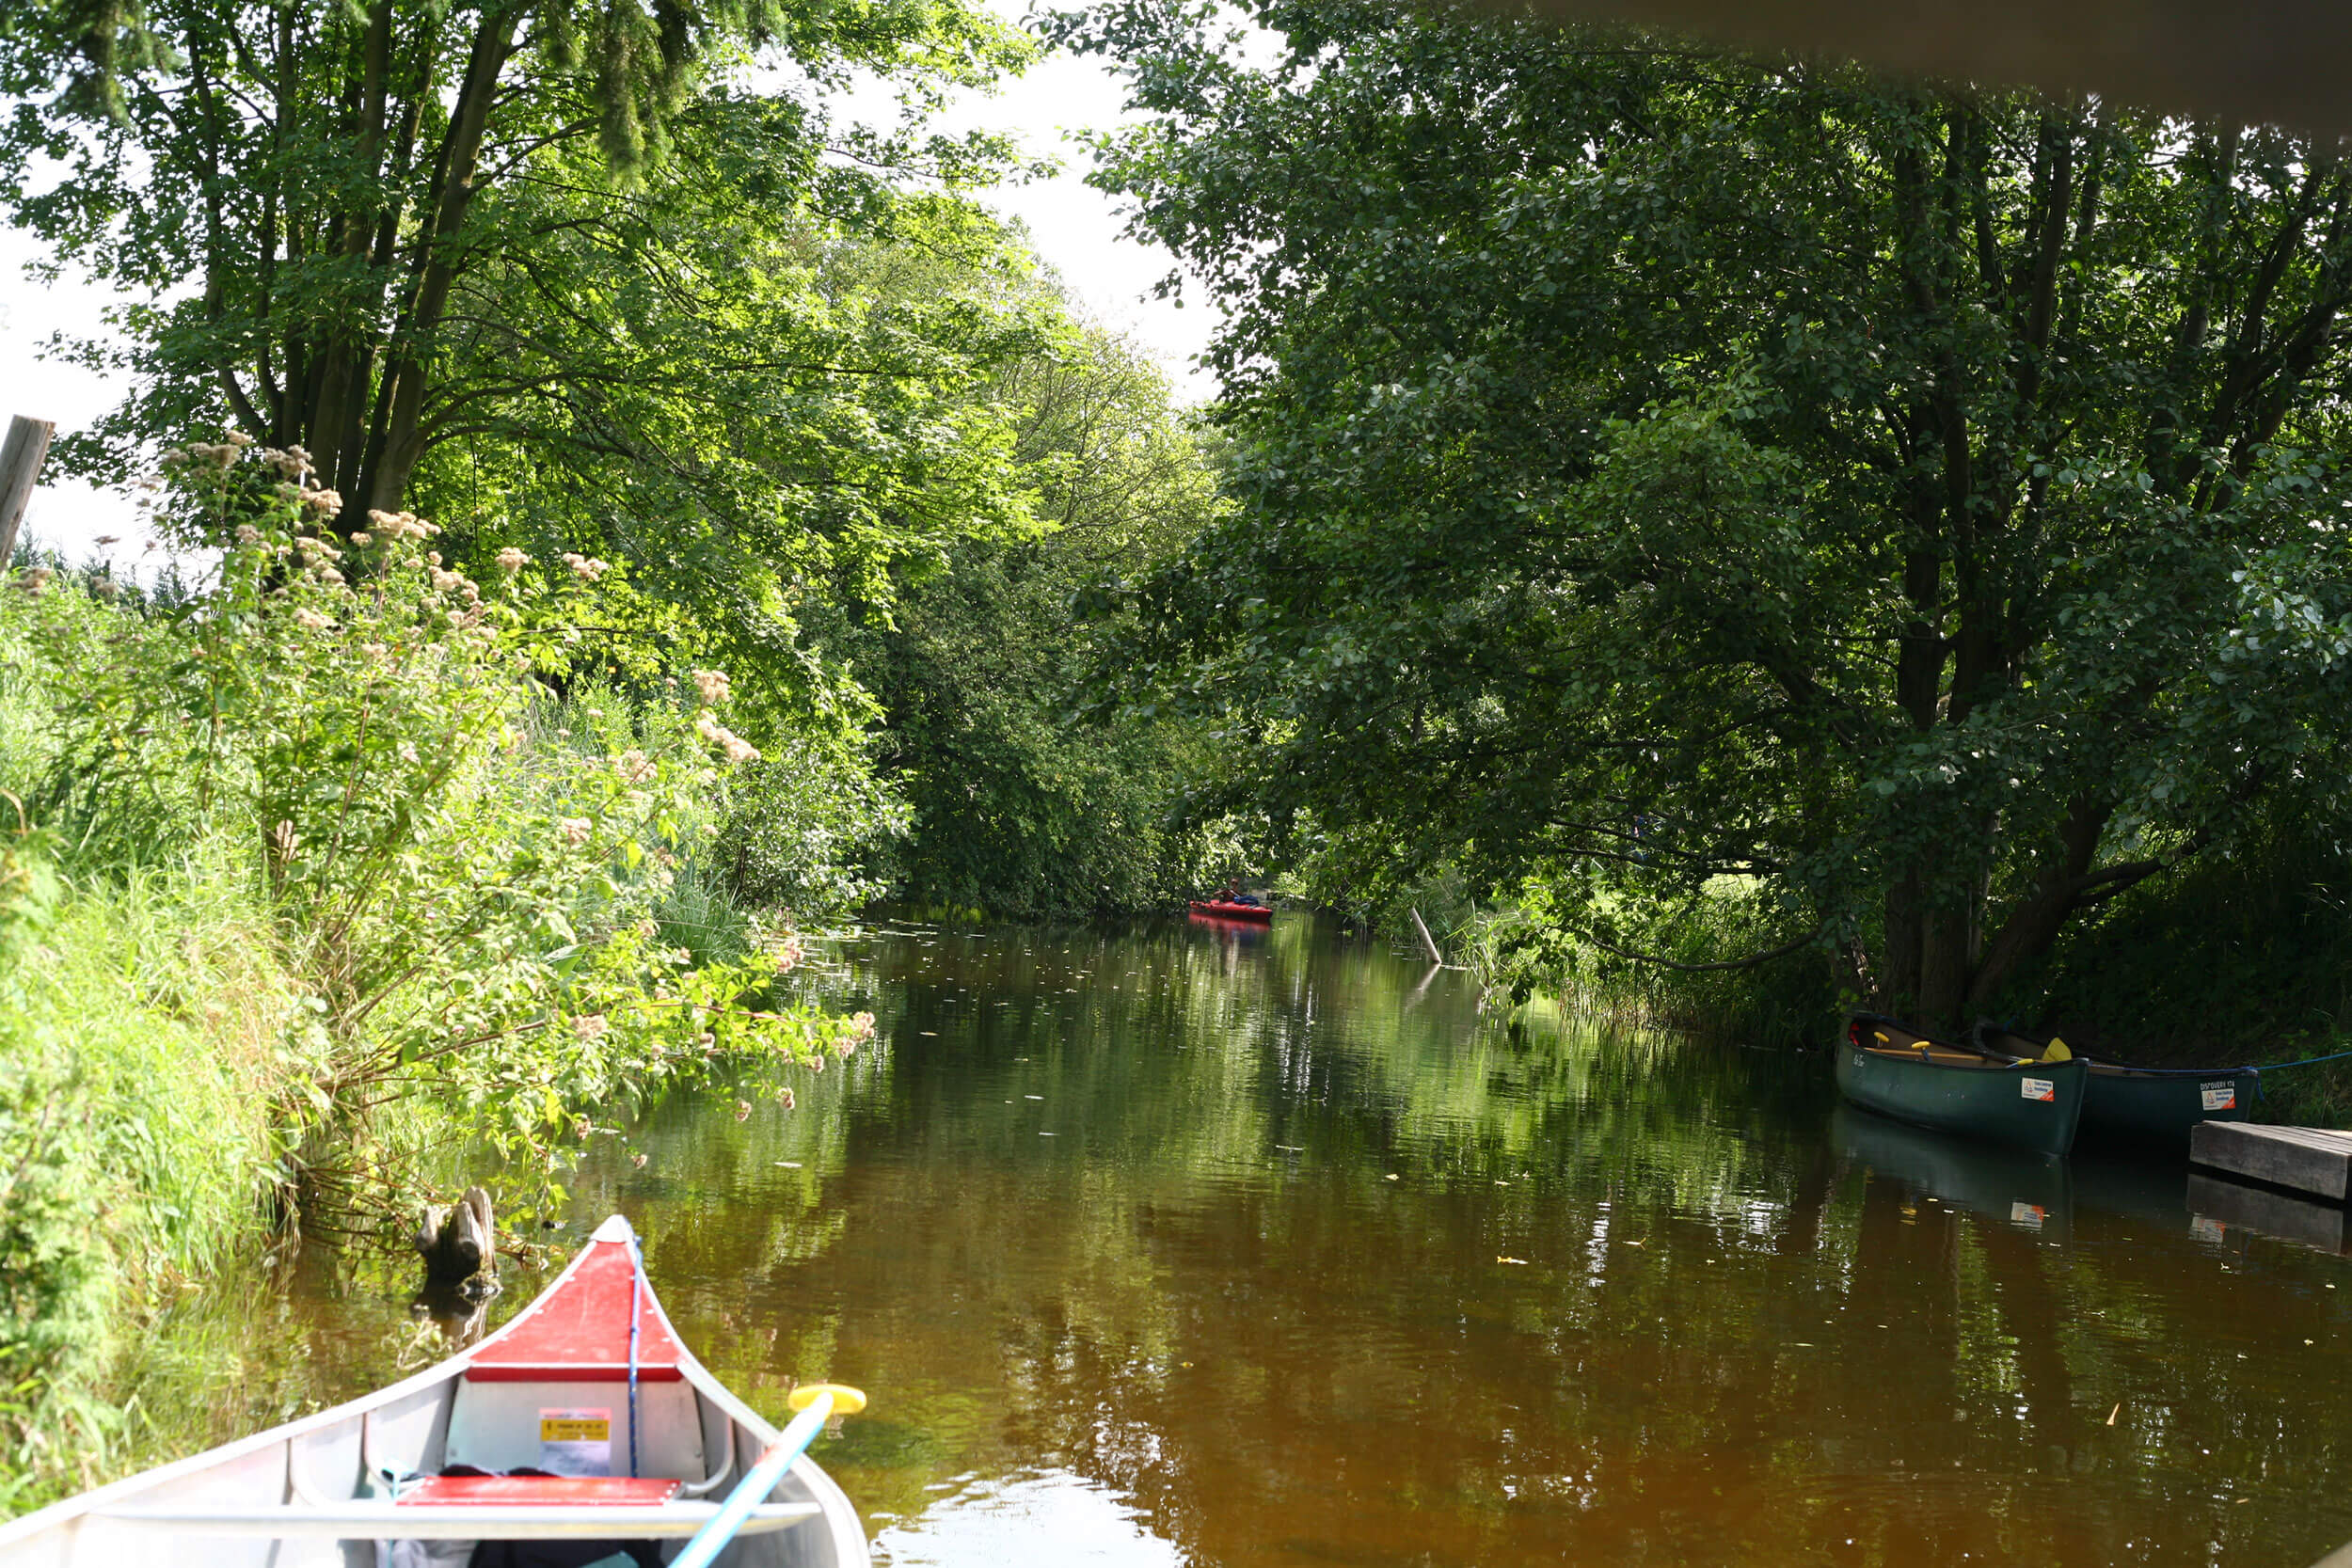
column 642, row 1437
column 1890, row 1067
column 2154, row 1107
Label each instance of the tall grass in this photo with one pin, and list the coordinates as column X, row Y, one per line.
column 147, row 1029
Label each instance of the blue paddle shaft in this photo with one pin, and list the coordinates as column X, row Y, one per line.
column 756, row 1484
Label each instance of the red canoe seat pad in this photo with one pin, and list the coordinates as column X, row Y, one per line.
column 544, row 1491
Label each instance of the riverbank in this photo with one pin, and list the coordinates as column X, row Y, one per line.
column 308, row 882
column 145, row 1059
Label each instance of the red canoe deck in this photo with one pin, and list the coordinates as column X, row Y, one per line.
column 1218, row 909
column 580, row 1332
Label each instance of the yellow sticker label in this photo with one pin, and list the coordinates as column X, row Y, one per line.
column 575, row 1429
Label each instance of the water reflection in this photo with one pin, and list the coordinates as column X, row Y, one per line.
column 1176, row 1244
column 2015, row 1186
column 1288, row 1249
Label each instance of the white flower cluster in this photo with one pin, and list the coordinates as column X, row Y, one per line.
column 453, row 582
column 714, row 686
column 587, row 568
column 511, row 560
column 293, row 463
column 401, row 525
column 737, row 748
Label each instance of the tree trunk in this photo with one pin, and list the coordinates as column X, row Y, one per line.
column 1947, row 933
column 401, row 401
column 1898, row 983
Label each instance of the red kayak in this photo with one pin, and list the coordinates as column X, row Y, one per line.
column 1218, row 908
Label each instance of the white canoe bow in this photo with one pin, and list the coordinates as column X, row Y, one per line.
column 551, row 1390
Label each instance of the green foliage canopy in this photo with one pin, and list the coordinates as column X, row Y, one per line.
column 559, row 272
column 1661, row 471
column 1024, row 799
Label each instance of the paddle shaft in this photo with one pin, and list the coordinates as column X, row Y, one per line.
column 756, row 1484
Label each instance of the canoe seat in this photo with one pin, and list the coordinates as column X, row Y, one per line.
column 541, row 1491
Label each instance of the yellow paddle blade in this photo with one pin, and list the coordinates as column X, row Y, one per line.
column 2056, row 1052
column 846, row 1400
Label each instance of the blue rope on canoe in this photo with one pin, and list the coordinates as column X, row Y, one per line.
column 2307, row 1061
column 636, row 1294
column 2260, row 1093
column 2011, row 1026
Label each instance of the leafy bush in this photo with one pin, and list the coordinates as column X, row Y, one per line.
column 469, row 887
column 803, row 819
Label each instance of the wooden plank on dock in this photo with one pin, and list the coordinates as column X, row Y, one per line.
column 2301, row 1159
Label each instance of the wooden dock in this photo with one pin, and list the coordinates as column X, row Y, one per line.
column 2297, row 1159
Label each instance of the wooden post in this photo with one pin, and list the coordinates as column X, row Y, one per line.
column 1427, row 940
column 21, row 458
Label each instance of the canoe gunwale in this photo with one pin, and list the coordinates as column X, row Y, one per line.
column 359, row 1521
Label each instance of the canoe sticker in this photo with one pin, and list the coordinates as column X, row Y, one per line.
column 2038, row 1088
column 2030, row 1215
column 576, row 1442
column 2221, row 1096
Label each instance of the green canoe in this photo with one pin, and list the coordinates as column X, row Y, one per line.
column 2150, row 1106
column 1895, row 1071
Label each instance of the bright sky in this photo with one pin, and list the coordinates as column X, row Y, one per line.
column 1075, row 229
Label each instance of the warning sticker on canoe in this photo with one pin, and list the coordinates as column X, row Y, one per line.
column 2038, row 1088
column 2220, row 1097
column 576, row 1442
column 2030, row 1215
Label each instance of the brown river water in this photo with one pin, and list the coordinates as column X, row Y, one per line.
column 1180, row 1244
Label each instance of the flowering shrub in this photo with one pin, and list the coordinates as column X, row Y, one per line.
column 472, row 899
